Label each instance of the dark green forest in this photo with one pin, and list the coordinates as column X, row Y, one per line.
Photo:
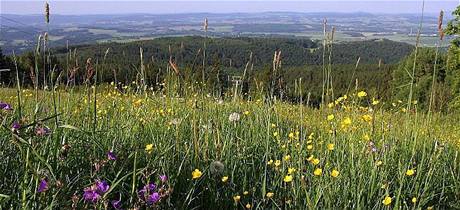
column 227, row 57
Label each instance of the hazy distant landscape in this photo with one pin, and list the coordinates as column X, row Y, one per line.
column 85, row 29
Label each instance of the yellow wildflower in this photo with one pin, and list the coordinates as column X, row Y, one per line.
column 245, row 193
column 378, row 163
column 410, row 172
column 362, row 94
column 236, row 198
column 315, row 161
column 346, row 122
column 196, row 174
column 367, row 118
column 270, row 194
column 277, row 163
column 318, row 172
column 287, row 178
column 291, row 170
column 248, row 206
column 414, row 200
column 330, row 117
column 375, row 102
column 287, row 157
column 225, row 179
column 291, row 135
column 270, row 162
column 309, row 147
column 386, row 201
column 246, row 112
column 149, row 148
column 330, row 147
column 335, row 173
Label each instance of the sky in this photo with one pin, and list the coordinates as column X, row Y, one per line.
column 72, row 7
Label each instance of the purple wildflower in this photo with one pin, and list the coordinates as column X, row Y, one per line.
column 163, row 178
column 15, row 126
column 43, row 186
column 147, row 189
column 42, row 131
column 90, row 194
column 94, row 192
column 111, row 155
column 5, row 106
column 153, row 198
column 102, row 187
column 116, row 204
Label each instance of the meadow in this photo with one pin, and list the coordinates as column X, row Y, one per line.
column 113, row 147
column 75, row 134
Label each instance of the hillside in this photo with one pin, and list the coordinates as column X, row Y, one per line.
column 295, row 51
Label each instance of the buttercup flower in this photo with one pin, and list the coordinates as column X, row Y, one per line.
column 362, row 94
column 386, row 201
column 236, row 198
column 318, row 172
column 367, row 118
column 335, row 173
column 149, row 148
column 410, row 172
column 270, row 194
column 196, row 174
column 287, row 178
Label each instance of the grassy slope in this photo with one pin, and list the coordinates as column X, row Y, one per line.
column 191, row 133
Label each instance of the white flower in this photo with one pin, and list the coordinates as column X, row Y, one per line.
column 176, row 121
column 234, row 117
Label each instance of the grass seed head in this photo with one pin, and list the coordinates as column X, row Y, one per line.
column 47, row 12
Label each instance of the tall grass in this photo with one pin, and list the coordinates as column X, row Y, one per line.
column 203, row 152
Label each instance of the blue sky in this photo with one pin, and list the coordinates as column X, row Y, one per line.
column 192, row 6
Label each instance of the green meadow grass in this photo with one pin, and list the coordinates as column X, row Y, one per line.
column 263, row 157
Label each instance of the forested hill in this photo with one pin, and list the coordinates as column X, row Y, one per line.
column 234, row 52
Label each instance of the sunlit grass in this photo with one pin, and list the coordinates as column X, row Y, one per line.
column 245, row 154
